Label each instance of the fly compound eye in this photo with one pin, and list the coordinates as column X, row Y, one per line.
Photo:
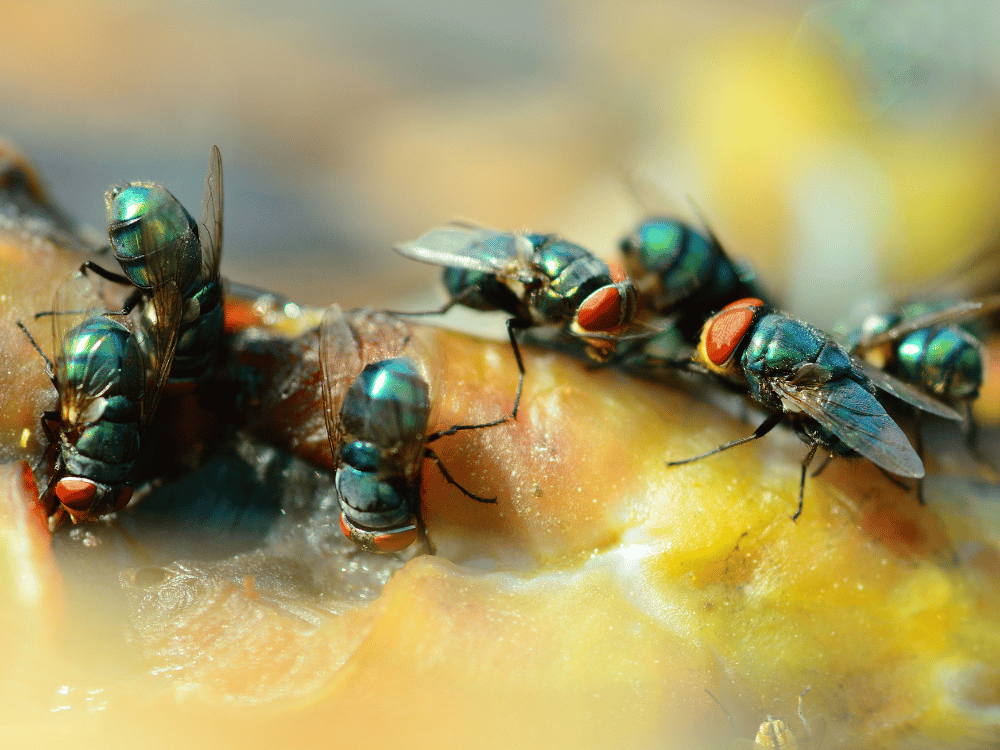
column 381, row 540
column 124, row 495
column 602, row 310
column 726, row 329
column 76, row 493
column 746, row 302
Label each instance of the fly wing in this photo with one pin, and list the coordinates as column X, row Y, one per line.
column 81, row 400
column 855, row 416
column 485, row 250
column 957, row 313
column 340, row 362
column 159, row 320
column 210, row 222
column 906, row 392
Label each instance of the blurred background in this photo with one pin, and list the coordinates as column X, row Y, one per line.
column 844, row 148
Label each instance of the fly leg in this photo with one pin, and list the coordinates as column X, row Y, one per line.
column 48, row 363
column 802, row 480
column 458, row 427
column 516, row 324
column 428, row 453
column 971, row 429
column 114, row 278
column 456, row 300
column 766, row 426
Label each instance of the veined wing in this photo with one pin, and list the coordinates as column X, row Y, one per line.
column 159, row 319
column 906, row 392
column 340, row 363
column 485, row 250
column 853, row 414
column 957, row 313
column 83, row 375
column 210, row 221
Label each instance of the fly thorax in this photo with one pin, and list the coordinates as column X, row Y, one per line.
column 145, row 209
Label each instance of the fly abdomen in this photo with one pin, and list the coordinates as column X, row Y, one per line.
column 104, row 452
column 943, row 360
column 368, row 496
column 482, row 291
column 198, row 341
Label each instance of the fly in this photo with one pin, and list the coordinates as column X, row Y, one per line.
column 799, row 374
column 537, row 279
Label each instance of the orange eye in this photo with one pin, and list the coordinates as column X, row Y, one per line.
column 725, row 330
column 396, row 540
column 123, row 497
column 372, row 541
column 743, row 303
column 76, row 493
column 601, row 311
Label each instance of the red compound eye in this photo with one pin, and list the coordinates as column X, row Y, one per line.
column 396, row 540
column 373, row 541
column 745, row 302
column 124, row 495
column 726, row 329
column 601, row 311
column 76, row 493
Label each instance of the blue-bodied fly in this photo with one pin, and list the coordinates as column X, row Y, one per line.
column 377, row 402
column 109, row 378
column 799, row 374
column 142, row 210
column 537, row 279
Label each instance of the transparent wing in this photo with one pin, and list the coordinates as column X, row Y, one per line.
column 485, row 250
column 908, row 393
column 81, row 399
column 210, row 222
column 956, row 314
column 856, row 417
column 379, row 336
column 159, row 320
column 340, row 362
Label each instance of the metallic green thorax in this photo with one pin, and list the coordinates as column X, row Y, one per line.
column 693, row 275
column 384, row 419
column 778, row 347
column 131, row 206
column 574, row 274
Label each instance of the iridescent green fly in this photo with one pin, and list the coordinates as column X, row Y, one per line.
column 680, row 270
column 378, row 404
column 922, row 344
column 109, row 379
column 140, row 210
column 799, row 374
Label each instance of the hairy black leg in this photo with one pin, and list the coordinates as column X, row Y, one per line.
column 130, row 302
column 458, row 427
column 513, row 325
column 428, row 453
column 802, row 479
column 115, row 278
column 766, row 426
column 456, row 300
column 48, row 363
column 822, row 466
